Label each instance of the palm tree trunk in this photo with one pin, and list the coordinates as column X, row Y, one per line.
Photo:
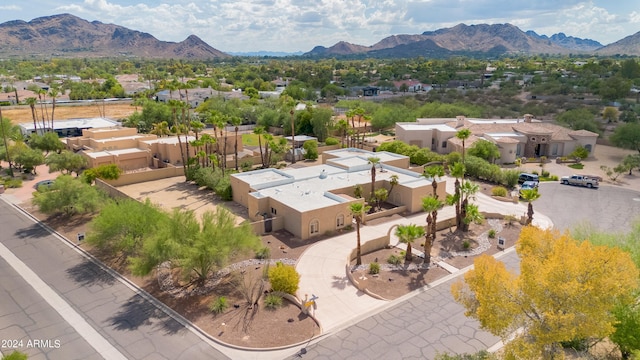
column 409, row 254
column 235, row 148
column 358, row 248
column 260, row 145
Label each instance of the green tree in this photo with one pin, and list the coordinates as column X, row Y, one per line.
column 197, row 247
column 530, row 195
column 407, row 234
column 631, row 162
column 67, row 195
column 358, row 210
column 25, row 157
column 66, row 161
column 434, row 172
column 311, row 149
column 627, row 136
column 614, row 88
column 48, row 142
column 610, row 114
column 15, row 355
column 468, row 190
column 123, row 226
column 5, row 132
column 284, row 278
column 260, row 131
column 565, row 291
column 457, row 171
column 381, row 195
column 485, row 150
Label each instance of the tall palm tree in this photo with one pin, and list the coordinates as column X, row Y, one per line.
column 236, row 121
column 530, row 195
column 160, row 129
column 374, row 161
column 53, row 93
column 432, row 172
column 259, row 130
column 457, row 171
column 407, row 234
column 430, row 205
column 31, row 101
column 358, row 210
column 463, row 134
column 41, row 97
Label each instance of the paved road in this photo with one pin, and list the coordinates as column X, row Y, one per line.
column 58, row 295
column 610, row 208
column 419, row 326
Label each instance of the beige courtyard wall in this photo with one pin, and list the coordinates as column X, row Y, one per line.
column 149, row 175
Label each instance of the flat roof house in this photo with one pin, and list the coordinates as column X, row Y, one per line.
column 69, row 127
column 315, row 200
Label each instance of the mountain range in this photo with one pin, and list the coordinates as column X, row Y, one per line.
column 479, row 40
column 67, row 35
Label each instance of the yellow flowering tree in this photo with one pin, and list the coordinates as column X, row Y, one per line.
column 566, row 290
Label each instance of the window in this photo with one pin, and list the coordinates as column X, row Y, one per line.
column 274, row 211
column 444, row 144
column 518, row 150
column 340, row 221
column 533, row 139
column 554, row 149
column 433, row 141
column 588, row 147
column 314, row 226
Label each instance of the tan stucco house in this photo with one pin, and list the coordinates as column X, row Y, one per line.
column 315, row 200
column 515, row 138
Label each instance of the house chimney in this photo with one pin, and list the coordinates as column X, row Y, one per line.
column 527, row 118
column 460, row 121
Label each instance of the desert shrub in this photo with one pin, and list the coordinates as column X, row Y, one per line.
column 208, row 177
column 263, row 253
column 545, row 173
column 466, row 244
column 223, row 189
column 394, row 259
column 454, row 157
column 492, row 234
column 499, row 191
column 218, row 305
column 246, row 166
column 272, row 301
column 284, row 278
column 374, row 268
column 510, row 177
column 331, row 141
column 16, row 355
column 13, row 183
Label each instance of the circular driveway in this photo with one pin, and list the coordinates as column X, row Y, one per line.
column 609, row 208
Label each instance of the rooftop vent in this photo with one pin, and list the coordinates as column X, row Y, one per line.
column 323, row 174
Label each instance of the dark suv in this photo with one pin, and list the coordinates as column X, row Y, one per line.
column 527, row 177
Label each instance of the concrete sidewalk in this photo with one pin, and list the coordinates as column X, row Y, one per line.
column 322, row 267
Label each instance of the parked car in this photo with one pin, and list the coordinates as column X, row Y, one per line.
column 523, row 177
column 43, row 183
column 528, row 185
column 580, row 180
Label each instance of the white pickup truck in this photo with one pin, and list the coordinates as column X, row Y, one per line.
column 580, row 180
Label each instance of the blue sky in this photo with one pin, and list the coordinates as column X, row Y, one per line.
column 299, row 25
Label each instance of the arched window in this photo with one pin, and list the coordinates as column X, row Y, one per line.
column 314, row 226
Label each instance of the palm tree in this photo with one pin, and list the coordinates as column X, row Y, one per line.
column 530, row 195
column 374, row 161
column 31, row 101
column 430, row 205
column 463, row 135
column 259, row 130
column 432, row 172
column 467, row 190
column 236, row 121
column 407, row 234
column 358, row 210
column 342, row 125
column 381, row 195
column 41, row 96
column 161, row 129
column 4, row 126
column 196, row 127
column 53, row 92
column 393, row 181
column 456, row 170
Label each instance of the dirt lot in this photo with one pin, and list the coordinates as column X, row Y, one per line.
column 117, row 111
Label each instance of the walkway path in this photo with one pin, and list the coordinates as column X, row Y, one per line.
column 323, row 266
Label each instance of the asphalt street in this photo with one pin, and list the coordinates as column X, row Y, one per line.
column 609, row 208
column 57, row 304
